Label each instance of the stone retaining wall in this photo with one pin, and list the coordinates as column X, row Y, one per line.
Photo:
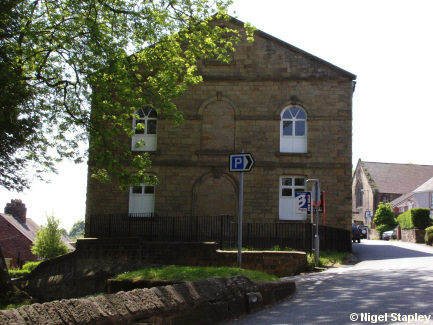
column 413, row 235
column 200, row 302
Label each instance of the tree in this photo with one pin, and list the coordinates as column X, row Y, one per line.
column 384, row 218
column 48, row 243
column 77, row 230
column 59, row 57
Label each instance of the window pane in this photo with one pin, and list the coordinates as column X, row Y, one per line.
column 152, row 113
column 139, row 126
column 300, row 128
column 301, row 115
column 137, row 189
column 286, row 181
column 286, row 192
column 299, row 181
column 287, row 114
column 294, row 111
column 151, row 126
column 141, row 113
column 298, row 190
column 149, row 189
column 288, row 128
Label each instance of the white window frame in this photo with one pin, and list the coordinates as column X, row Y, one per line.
column 287, row 192
column 143, row 200
column 296, row 142
column 148, row 120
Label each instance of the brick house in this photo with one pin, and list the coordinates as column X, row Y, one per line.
column 375, row 182
column 17, row 234
column 291, row 110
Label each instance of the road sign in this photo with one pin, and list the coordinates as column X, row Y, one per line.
column 303, row 203
column 241, row 162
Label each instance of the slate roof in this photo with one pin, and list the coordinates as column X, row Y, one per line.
column 30, row 228
column 397, row 178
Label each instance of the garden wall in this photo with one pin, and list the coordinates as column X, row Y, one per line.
column 200, row 302
column 413, row 235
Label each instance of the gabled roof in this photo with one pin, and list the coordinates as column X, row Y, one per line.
column 397, row 178
column 426, row 187
column 402, row 199
column 30, row 228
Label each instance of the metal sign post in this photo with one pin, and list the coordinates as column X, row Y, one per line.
column 242, row 162
column 315, row 192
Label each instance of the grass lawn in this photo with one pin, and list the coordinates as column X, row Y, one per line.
column 193, row 273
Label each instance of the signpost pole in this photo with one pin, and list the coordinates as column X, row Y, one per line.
column 316, row 199
column 241, row 204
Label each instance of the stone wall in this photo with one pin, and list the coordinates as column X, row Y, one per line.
column 413, row 235
column 85, row 270
column 201, row 302
column 239, row 106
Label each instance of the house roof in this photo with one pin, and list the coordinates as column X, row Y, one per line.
column 30, row 228
column 402, row 199
column 397, row 178
column 426, row 187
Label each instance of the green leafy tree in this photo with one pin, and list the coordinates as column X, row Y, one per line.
column 59, row 57
column 77, row 230
column 48, row 243
column 384, row 218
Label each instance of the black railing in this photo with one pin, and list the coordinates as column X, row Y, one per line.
column 220, row 229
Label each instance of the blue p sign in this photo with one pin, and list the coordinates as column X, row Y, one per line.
column 242, row 162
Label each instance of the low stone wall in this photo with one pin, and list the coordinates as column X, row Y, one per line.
column 86, row 270
column 413, row 235
column 92, row 253
column 200, row 302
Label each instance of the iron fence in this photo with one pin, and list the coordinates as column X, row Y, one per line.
column 220, row 229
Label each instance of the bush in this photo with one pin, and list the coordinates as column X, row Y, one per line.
column 16, row 273
column 30, row 266
column 414, row 218
column 384, row 218
column 429, row 236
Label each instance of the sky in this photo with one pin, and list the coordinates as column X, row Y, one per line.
column 386, row 44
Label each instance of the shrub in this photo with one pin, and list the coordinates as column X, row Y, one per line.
column 384, row 218
column 429, row 236
column 415, row 218
column 30, row 266
column 16, row 273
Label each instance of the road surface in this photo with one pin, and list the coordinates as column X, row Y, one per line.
column 392, row 284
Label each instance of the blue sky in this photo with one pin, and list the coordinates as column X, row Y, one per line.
column 387, row 44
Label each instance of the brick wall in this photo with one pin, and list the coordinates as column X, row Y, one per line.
column 14, row 244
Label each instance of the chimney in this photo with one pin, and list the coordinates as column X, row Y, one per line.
column 17, row 209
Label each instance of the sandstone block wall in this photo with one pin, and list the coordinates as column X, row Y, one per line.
column 201, row 302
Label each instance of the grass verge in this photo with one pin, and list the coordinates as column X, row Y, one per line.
column 326, row 259
column 194, row 273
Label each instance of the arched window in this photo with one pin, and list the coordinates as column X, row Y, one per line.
column 145, row 127
column 293, row 130
column 359, row 195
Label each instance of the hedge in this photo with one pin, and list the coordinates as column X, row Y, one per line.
column 414, row 218
column 429, row 236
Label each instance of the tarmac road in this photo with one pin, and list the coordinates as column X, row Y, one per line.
column 392, row 284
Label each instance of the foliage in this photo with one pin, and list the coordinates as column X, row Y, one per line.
column 193, row 273
column 77, row 230
column 384, row 218
column 58, row 56
column 17, row 273
column 414, row 218
column 48, row 243
column 30, row 266
column 429, row 236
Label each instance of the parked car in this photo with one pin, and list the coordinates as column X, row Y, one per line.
column 356, row 234
column 390, row 234
column 363, row 230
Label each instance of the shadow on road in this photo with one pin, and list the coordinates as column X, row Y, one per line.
column 380, row 250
